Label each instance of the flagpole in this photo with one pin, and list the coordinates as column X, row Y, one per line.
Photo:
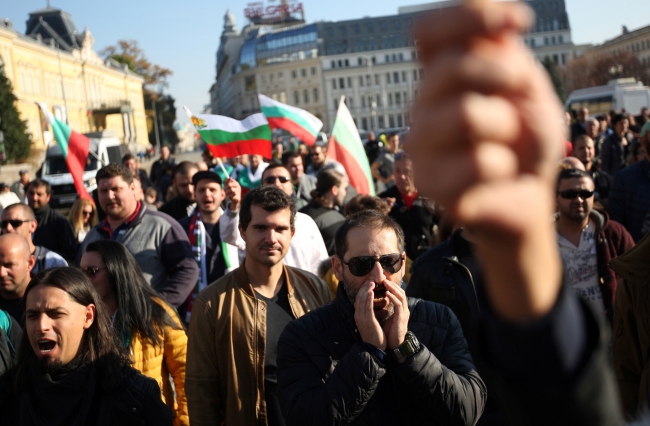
column 341, row 101
column 223, row 169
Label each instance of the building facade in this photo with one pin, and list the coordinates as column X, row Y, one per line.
column 371, row 61
column 636, row 42
column 56, row 65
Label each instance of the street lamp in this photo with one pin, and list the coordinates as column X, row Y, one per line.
column 616, row 71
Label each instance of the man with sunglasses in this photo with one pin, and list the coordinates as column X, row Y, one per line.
column 375, row 356
column 588, row 240
column 307, row 250
column 19, row 219
column 319, row 161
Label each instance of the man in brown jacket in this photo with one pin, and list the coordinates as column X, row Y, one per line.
column 237, row 320
column 631, row 342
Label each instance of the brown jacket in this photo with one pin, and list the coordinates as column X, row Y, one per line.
column 631, row 343
column 224, row 380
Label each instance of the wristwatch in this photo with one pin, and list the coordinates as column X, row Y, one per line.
column 410, row 346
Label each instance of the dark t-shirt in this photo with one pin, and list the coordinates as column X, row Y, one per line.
column 216, row 264
column 13, row 307
column 278, row 315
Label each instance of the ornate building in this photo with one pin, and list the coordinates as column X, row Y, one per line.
column 55, row 64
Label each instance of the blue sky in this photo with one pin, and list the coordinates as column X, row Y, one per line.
column 184, row 35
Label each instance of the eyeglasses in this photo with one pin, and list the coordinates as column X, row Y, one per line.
column 362, row 265
column 15, row 223
column 570, row 194
column 91, row 271
column 271, row 179
column 85, row 213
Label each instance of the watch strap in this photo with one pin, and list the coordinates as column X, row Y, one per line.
column 409, row 347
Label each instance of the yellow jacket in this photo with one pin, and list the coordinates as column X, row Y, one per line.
column 158, row 362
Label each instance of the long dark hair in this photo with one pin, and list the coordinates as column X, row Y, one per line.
column 139, row 308
column 99, row 344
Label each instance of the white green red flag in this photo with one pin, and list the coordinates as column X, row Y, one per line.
column 345, row 146
column 300, row 123
column 74, row 147
column 227, row 137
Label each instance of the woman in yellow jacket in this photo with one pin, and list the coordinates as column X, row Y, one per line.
column 145, row 323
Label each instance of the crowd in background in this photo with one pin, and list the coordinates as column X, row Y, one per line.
column 267, row 291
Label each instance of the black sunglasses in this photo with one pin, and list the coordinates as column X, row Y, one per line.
column 271, row 179
column 91, row 271
column 15, row 223
column 570, row 194
column 362, row 265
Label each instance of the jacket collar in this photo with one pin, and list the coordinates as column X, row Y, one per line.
column 600, row 219
column 243, row 282
column 345, row 306
column 131, row 221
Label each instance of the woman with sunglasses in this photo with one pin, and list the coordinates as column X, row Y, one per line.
column 82, row 217
column 144, row 323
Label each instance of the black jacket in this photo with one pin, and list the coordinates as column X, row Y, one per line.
column 416, row 222
column 135, row 402
column 176, row 207
column 158, row 169
column 328, row 376
column 439, row 276
column 55, row 233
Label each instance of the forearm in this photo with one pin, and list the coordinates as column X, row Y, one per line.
column 181, row 279
column 229, row 226
column 561, row 359
column 521, row 263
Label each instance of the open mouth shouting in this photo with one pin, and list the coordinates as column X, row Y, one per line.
column 45, row 346
column 379, row 300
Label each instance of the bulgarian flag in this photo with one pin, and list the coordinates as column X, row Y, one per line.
column 227, row 137
column 296, row 121
column 74, row 147
column 345, row 146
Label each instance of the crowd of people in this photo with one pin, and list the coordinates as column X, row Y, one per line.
column 477, row 287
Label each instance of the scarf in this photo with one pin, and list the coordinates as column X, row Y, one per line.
column 197, row 236
column 65, row 400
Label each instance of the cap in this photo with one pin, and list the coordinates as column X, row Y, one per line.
column 3, row 185
column 645, row 129
column 206, row 175
column 23, row 171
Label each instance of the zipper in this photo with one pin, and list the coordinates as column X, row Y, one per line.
column 454, row 260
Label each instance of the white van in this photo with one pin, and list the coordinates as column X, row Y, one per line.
column 619, row 94
column 105, row 148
